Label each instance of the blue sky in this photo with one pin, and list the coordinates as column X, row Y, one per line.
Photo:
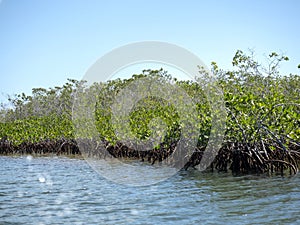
column 42, row 43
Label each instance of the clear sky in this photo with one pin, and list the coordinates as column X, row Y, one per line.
column 44, row 42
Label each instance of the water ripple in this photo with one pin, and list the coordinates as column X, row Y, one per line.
column 68, row 191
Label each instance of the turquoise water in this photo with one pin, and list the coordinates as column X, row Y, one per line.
column 68, row 191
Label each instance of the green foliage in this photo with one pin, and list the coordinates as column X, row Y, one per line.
column 257, row 97
column 259, row 102
column 142, row 118
column 35, row 129
column 46, row 114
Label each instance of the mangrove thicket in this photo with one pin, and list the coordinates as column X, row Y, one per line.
column 261, row 135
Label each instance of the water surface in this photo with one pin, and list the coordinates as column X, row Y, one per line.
column 68, row 191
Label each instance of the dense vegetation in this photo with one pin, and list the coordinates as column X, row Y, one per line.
column 262, row 125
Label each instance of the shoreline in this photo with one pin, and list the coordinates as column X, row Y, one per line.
column 237, row 158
